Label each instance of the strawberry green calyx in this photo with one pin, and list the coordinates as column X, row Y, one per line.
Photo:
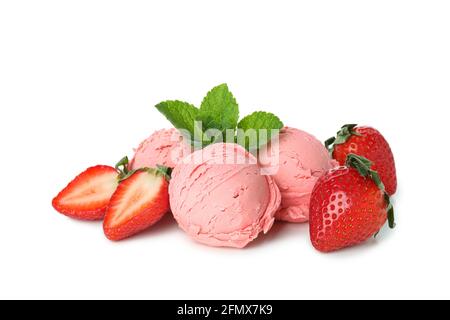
column 122, row 168
column 122, row 165
column 363, row 166
column 165, row 171
column 341, row 137
column 158, row 171
column 125, row 173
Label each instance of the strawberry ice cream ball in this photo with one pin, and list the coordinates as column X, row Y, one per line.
column 164, row 147
column 301, row 160
column 219, row 197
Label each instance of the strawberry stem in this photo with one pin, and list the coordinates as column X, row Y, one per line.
column 341, row 137
column 363, row 166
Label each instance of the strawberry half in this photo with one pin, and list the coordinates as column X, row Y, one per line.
column 348, row 206
column 139, row 202
column 368, row 143
column 88, row 195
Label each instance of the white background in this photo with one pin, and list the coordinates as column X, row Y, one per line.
column 78, row 82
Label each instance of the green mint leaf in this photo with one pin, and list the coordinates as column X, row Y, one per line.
column 219, row 110
column 261, row 124
column 182, row 115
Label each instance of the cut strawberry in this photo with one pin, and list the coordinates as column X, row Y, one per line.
column 139, row 202
column 88, row 195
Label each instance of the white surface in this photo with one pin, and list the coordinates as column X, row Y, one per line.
column 78, row 80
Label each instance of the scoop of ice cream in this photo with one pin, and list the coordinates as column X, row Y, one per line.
column 301, row 160
column 164, row 147
column 219, row 197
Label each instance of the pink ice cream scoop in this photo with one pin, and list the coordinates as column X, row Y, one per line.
column 219, row 197
column 302, row 160
column 164, row 147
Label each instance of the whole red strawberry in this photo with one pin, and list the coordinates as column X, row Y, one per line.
column 368, row 143
column 348, row 206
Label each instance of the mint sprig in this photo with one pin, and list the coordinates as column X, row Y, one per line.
column 219, row 112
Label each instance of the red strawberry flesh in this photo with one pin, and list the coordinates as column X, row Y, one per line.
column 138, row 203
column 88, row 195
